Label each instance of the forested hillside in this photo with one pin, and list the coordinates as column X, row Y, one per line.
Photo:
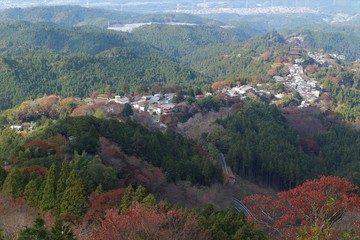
column 261, row 145
column 37, row 74
column 64, row 15
column 76, row 170
column 333, row 39
column 22, row 37
column 80, row 16
column 180, row 41
column 249, row 60
column 102, row 138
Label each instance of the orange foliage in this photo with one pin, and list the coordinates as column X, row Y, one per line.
column 219, row 85
column 43, row 145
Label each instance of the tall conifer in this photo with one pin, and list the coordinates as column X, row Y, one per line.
column 48, row 200
column 74, row 198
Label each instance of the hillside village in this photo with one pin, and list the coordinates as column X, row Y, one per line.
column 159, row 108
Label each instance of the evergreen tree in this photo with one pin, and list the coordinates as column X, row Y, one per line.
column 127, row 111
column 127, row 198
column 14, row 183
column 149, row 200
column 99, row 189
column 3, row 175
column 140, row 194
column 37, row 232
column 31, row 192
column 74, row 197
column 48, row 200
column 61, row 184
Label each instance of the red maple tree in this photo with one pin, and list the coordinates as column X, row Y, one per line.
column 318, row 204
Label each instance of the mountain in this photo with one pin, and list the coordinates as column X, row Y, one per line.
column 23, row 37
column 333, row 38
column 35, row 74
column 80, row 16
column 65, row 15
column 179, row 41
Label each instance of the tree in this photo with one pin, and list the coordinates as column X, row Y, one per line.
column 228, row 225
column 127, row 198
column 140, row 193
column 48, row 200
column 143, row 223
column 14, row 183
column 311, row 208
column 61, row 183
column 36, row 232
column 31, row 192
column 99, row 114
column 74, row 198
column 3, row 175
column 127, row 111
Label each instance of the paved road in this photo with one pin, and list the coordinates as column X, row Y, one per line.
column 221, row 159
column 240, row 207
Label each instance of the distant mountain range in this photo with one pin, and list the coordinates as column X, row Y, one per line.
column 151, row 6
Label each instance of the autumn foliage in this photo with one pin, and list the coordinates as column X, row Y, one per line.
column 14, row 216
column 142, row 223
column 219, row 85
column 41, row 144
column 99, row 203
column 320, row 204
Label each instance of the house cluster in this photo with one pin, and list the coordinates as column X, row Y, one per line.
column 243, row 92
column 25, row 126
column 324, row 58
column 308, row 89
column 157, row 104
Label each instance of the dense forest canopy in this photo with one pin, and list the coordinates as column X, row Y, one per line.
column 259, row 144
column 36, row 74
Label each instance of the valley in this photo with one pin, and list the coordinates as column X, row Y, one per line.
column 233, row 123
